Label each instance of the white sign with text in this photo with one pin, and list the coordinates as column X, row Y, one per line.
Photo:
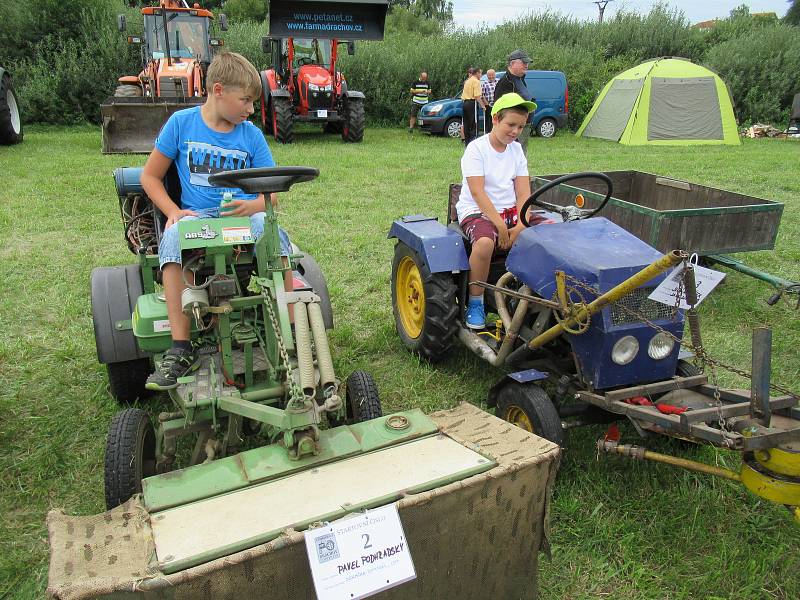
column 359, row 555
column 705, row 280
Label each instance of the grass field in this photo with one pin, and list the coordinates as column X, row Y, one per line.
column 619, row 529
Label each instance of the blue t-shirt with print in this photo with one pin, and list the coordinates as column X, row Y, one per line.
column 199, row 151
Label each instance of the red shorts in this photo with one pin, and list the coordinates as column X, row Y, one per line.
column 478, row 226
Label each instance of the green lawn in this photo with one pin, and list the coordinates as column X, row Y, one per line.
column 619, row 529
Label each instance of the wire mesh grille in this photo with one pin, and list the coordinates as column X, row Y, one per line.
column 639, row 306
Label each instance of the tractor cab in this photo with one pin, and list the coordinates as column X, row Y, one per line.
column 177, row 34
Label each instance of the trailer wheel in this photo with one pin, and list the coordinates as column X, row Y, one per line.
column 127, row 91
column 530, row 408
column 126, row 379
column 424, row 305
column 130, row 455
column 282, row 120
column 10, row 120
column 354, row 121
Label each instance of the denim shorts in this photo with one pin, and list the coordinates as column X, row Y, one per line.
column 169, row 250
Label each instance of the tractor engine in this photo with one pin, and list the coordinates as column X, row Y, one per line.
column 315, row 88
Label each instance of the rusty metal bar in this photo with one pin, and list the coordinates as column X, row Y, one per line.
column 762, row 359
column 655, row 388
column 739, row 409
column 626, row 287
column 690, row 289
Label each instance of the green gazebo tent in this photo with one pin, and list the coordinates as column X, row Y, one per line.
column 667, row 101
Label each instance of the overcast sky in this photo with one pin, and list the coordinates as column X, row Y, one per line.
column 469, row 13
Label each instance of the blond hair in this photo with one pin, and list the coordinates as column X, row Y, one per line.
column 234, row 70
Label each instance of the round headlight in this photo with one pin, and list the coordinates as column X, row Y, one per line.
column 625, row 350
column 660, row 346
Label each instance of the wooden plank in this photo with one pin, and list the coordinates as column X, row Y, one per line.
column 654, row 388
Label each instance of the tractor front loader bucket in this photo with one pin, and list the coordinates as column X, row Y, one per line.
column 130, row 125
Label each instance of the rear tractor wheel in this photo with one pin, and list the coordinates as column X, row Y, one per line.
column 424, row 305
column 126, row 379
column 354, row 121
column 10, row 120
column 130, row 455
column 282, row 120
column 530, row 408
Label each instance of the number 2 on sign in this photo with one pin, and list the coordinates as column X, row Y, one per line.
column 366, row 541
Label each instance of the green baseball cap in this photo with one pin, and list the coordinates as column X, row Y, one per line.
column 511, row 100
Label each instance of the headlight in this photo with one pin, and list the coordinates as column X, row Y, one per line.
column 660, row 346
column 435, row 110
column 625, row 350
column 319, row 88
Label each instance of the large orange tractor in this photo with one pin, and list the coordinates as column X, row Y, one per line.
column 177, row 48
column 303, row 84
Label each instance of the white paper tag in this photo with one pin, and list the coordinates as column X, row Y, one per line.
column 159, row 326
column 322, row 114
column 420, row 121
column 360, row 555
column 705, row 280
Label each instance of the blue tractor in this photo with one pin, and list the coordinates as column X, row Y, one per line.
column 579, row 340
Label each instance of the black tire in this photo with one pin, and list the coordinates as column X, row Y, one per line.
column 126, row 380
column 127, row 91
column 433, row 337
column 452, row 128
column 361, row 396
column 10, row 118
column 528, row 406
column 130, row 455
column 687, row 369
column 283, row 121
column 354, row 121
column 312, row 273
column 361, row 400
column 546, row 128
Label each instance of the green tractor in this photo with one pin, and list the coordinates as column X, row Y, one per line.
column 260, row 376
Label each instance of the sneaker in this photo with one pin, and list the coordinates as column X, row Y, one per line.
column 476, row 317
column 174, row 364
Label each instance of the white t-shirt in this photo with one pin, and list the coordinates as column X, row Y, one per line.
column 499, row 169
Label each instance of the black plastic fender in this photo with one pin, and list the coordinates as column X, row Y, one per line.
column 114, row 294
column 354, row 94
column 312, row 273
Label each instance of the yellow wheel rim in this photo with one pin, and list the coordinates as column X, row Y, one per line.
column 410, row 295
column 516, row 416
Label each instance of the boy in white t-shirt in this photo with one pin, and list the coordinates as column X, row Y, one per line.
column 494, row 187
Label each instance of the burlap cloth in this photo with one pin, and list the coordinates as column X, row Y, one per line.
column 476, row 538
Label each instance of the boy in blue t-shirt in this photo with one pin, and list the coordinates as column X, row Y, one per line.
column 202, row 141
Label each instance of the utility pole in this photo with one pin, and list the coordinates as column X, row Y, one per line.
column 601, row 5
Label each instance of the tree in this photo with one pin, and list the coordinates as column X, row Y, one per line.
column 440, row 10
column 793, row 14
column 246, row 10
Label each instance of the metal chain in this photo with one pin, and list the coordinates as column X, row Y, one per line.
column 295, row 393
column 700, row 352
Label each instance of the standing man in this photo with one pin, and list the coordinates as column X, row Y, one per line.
column 470, row 99
column 420, row 95
column 487, row 92
column 514, row 81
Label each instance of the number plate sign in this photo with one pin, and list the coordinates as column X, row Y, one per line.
column 322, row 114
column 360, row 555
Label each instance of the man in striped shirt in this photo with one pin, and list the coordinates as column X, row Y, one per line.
column 420, row 94
column 487, row 91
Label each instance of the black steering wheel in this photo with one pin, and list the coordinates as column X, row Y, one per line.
column 568, row 213
column 304, row 60
column 264, row 180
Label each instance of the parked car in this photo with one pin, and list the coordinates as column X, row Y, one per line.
column 10, row 121
column 549, row 89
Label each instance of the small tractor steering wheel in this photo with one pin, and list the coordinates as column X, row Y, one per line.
column 264, row 180
column 568, row 213
column 304, row 60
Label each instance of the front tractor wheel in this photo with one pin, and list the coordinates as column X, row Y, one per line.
column 424, row 305
column 529, row 407
column 130, row 455
column 354, row 121
column 282, row 120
